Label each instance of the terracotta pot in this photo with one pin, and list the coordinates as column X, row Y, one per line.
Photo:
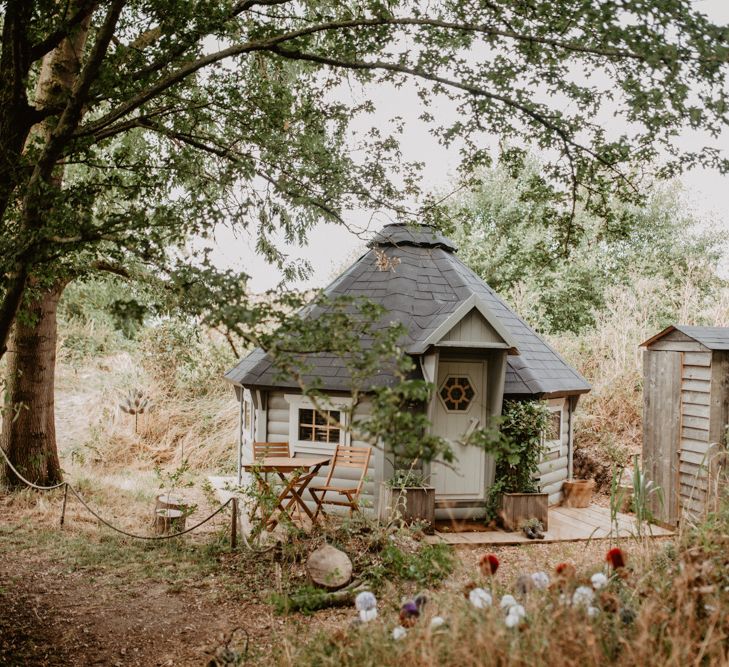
column 578, row 492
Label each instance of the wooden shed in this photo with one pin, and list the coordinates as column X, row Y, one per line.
column 685, row 416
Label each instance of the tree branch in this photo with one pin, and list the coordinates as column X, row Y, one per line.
column 270, row 44
column 534, row 115
column 51, row 41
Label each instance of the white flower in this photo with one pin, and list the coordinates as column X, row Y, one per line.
column 512, row 620
column 517, row 610
column 480, row 598
column 367, row 615
column 399, row 632
column 540, row 580
column 599, row 580
column 592, row 611
column 583, row 596
column 436, row 622
column 365, row 601
column 508, row 601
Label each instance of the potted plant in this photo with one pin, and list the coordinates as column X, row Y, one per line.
column 399, row 423
column 517, row 446
column 408, row 497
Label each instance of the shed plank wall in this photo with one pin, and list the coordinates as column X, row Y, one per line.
column 696, row 392
column 278, row 431
column 704, row 408
column 662, row 400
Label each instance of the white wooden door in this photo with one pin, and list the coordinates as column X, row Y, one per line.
column 460, row 407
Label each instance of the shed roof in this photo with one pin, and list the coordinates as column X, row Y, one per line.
column 426, row 285
column 713, row 338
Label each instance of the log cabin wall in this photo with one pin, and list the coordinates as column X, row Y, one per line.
column 554, row 468
column 279, row 429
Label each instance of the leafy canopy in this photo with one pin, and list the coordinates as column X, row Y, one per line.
column 179, row 116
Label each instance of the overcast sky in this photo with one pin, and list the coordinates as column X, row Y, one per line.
column 330, row 247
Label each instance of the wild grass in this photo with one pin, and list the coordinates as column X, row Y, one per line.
column 667, row 608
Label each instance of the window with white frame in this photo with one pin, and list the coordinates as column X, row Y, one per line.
column 320, row 424
column 553, row 433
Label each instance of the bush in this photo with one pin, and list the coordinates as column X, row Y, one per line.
column 517, row 446
column 183, row 359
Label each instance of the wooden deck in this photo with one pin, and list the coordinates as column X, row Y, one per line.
column 566, row 524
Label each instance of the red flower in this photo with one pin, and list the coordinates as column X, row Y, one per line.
column 616, row 557
column 565, row 570
column 488, row 564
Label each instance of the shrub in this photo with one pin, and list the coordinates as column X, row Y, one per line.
column 517, row 446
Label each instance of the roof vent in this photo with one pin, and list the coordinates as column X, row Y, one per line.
column 412, row 234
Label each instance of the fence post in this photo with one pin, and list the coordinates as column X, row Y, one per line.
column 63, row 509
column 234, row 524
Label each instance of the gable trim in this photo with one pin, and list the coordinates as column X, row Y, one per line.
column 471, row 303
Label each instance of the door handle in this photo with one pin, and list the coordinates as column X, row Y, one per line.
column 472, row 426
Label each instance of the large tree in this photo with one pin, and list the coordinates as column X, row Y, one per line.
column 128, row 126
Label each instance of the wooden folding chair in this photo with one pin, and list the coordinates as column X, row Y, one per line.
column 263, row 449
column 344, row 457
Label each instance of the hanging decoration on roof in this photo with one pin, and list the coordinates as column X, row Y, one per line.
column 457, row 393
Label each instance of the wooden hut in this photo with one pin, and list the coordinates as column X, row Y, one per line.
column 685, row 416
column 464, row 339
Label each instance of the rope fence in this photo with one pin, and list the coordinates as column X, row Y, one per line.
column 67, row 487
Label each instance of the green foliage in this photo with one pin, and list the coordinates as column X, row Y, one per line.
column 305, row 598
column 426, row 565
column 504, row 227
column 517, row 446
column 399, row 422
column 183, row 358
column 99, row 315
column 223, row 113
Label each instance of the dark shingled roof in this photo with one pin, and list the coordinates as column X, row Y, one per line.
column 714, row 338
column 426, row 284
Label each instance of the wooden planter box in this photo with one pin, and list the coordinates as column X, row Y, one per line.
column 517, row 508
column 410, row 504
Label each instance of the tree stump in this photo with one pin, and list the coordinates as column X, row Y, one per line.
column 577, row 492
column 329, row 567
column 171, row 501
column 169, row 521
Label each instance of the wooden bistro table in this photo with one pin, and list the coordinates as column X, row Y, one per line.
column 295, row 473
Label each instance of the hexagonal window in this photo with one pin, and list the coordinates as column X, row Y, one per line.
column 457, row 393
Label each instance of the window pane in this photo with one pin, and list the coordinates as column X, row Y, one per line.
column 306, row 416
column 320, row 435
column 321, row 418
column 554, row 428
column 334, row 435
column 306, row 432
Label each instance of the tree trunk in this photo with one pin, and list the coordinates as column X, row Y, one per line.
column 29, row 428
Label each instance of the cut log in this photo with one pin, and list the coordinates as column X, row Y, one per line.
column 169, row 521
column 329, row 567
column 578, row 492
column 171, row 501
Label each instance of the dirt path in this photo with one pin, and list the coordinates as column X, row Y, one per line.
column 50, row 615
